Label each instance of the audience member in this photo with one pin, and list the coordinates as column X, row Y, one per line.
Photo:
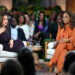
column 40, row 28
column 52, row 26
column 71, row 70
column 21, row 24
column 11, row 67
column 33, row 18
column 69, row 59
column 16, row 33
column 26, row 59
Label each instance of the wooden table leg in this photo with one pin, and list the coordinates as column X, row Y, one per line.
column 0, row 66
column 36, row 61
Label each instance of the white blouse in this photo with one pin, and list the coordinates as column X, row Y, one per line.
column 25, row 28
column 31, row 30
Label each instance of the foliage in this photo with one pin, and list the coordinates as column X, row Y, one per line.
column 56, row 8
column 22, row 9
column 37, row 9
column 2, row 7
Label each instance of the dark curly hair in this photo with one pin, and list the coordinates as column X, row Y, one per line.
column 17, row 19
column 72, row 19
column 11, row 67
column 26, row 59
column 69, row 59
column 44, row 21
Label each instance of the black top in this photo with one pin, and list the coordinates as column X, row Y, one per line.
column 53, row 28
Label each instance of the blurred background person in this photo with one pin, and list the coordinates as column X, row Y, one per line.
column 21, row 24
column 26, row 59
column 16, row 32
column 41, row 27
column 11, row 67
column 52, row 26
column 33, row 18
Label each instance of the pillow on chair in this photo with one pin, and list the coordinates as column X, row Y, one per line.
column 51, row 45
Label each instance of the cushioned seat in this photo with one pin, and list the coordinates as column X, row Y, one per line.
column 7, row 54
column 50, row 49
column 4, row 55
column 50, row 53
column 6, row 58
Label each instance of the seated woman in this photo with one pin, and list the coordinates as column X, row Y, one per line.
column 21, row 24
column 65, row 41
column 41, row 27
column 5, row 37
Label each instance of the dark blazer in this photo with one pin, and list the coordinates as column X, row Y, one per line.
column 42, row 36
column 21, row 34
column 52, row 28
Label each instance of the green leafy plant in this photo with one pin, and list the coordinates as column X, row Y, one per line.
column 22, row 9
column 56, row 8
column 37, row 9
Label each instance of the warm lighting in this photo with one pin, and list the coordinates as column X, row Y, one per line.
column 7, row 3
column 62, row 4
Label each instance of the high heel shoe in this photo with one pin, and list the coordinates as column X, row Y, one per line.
column 49, row 64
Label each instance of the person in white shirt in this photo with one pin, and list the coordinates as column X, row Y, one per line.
column 16, row 32
column 21, row 24
column 30, row 25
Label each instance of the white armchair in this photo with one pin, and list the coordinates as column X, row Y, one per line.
column 5, row 55
column 50, row 49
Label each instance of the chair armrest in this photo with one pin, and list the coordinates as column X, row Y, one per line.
column 46, row 45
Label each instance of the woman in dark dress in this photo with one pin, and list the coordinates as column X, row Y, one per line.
column 5, row 36
column 41, row 27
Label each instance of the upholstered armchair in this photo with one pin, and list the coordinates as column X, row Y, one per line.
column 5, row 55
column 50, row 45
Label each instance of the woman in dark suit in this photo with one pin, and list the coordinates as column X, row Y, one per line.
column 5, row 37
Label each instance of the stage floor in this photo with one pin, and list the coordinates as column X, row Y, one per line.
column 44, row 69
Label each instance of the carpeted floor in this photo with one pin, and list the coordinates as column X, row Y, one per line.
column 44, row 70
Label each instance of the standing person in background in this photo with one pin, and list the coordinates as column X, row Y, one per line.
column 65, row 41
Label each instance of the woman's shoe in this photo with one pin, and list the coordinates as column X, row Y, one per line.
column 49, row 64
column 56, row 70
